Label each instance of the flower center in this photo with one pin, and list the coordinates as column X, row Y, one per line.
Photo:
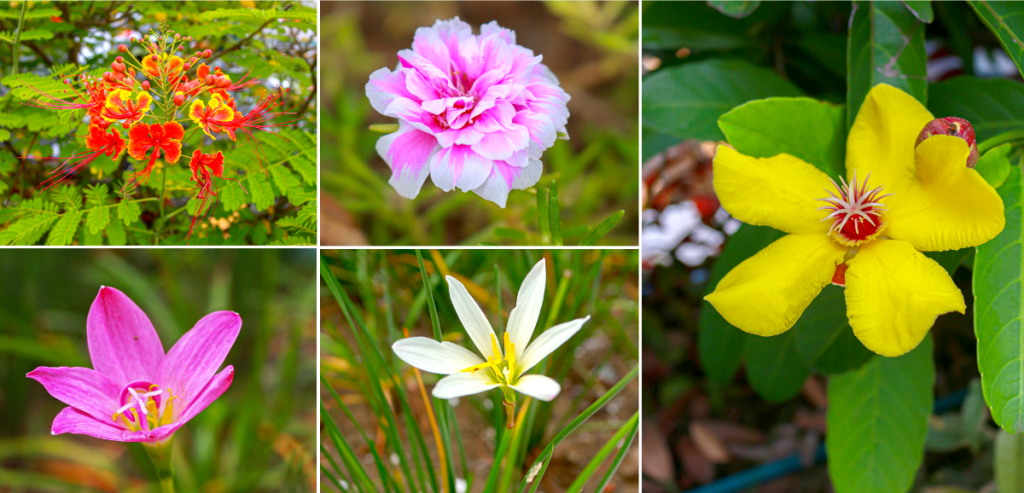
column 503, row 370
column 855, row 211
column 144, row 406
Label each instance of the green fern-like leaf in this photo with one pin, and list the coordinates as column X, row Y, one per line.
column 128, row 212
column 63, row 232
column 99, row 216
column 262, row 192
column 296, row 226
column 307, row 215
column 69, row 196
column 30, row 14
column 28, row 230
column 295, row 241
column 301, row 13
column 286, row 181
column 29, row 35
column 232, row 197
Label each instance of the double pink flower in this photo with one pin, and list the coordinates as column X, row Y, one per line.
column 135, row 392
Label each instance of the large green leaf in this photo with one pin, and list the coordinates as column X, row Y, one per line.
column 824, row 338
column 720, row 344
column 686, row 101
column 877, row 422
column 993, row 106
column 694, row 25
column 998, row 312
column 775, row 369
column 1006, row 20
column 811, row 130
column 922, row 9
column 886, row 47
column 735, row 9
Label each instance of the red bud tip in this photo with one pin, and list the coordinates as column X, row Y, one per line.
column 125, row 125
column 179, row 100
column 187, row 67
column 207, row 53
column 953, row 126
column 145, row 85
column 119, row 59
column 122, row 48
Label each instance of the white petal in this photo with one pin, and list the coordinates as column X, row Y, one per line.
column 538, row 387
column 462, row 384
column 549, row 341
column 523, row 319
column 472, row 318
column 497, row 186
column 435, row 357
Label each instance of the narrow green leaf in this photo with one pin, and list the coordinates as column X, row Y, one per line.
column 602, row 229
column 115, row 234
column 877, row 420
column 1006, row 21
column 554, row 215
column 886, row 46
column 998, row 312
column 811, row 130
column 719, row 343
column 735, row 9
column 1009, row 462
column 993, row 106
column 686, row 101
column 922, row 10
column 63, row 232
column 626, row 430
column 994, row 165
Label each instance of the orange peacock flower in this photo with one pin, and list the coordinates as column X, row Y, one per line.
column 119, row 107
column 166, row 138
column 213, row 116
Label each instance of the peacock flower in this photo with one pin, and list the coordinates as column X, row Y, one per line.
column 901, row 199
column 156, row 137
column 119, row 107
column 260, row 118
column 135, row 392
column 212, row 117
column 157, row 64
column 475, row 112
column 100, row 141
column 204, row 167
column 502, row 366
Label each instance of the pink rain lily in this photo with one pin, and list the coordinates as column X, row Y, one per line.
column 135, row 392
column 475, row 111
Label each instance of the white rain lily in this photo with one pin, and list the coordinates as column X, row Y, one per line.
column 468, row 373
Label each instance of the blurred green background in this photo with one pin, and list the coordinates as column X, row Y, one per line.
column 590, row 46
column 259, row 436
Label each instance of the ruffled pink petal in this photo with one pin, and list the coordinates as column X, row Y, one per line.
column 407, row 152
column 197, row 356
column 458, row 166
column 384, row 86
column 501, row 145
column 82, row 388
column 123, row 344
column 542, row 131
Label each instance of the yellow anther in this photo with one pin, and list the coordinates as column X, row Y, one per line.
column 494, row 347
column 473, row 368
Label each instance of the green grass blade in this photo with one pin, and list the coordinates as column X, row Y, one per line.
column 628, row 429
column 541, row 464
column 602, row 229
column 617, row 461
column 554, row 216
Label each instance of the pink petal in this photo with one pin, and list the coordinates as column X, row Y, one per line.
column 504, row 178
column 458, row 166
column 501, row 145
column 123, row 344
column 71, row 420
column 195, row 358
column 384, row 86
column 407, row 152
column 213, row 390
column 82, row 388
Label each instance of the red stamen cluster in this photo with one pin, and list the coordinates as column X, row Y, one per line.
column 855, row 210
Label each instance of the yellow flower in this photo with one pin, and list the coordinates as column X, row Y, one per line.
column 867, row 234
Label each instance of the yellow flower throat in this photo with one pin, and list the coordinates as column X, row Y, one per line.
column 504, row 368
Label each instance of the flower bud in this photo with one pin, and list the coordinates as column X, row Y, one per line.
column 119, row 59
column 179, row 99
column 953, row 126
column 125, row 125
column 207, row 53
column 177, row 37
column 108, row 77
column 192, row 61
column 145, row 85
column 134, row 39
column 210, row 80
column 122, row 48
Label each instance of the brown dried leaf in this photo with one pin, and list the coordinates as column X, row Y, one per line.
column 656, row 461
column 708, row 444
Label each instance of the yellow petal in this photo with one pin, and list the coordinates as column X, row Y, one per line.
column 766, row 294
column 780, row 191
column 948, row 205
column 893, row 295
column 882, row 138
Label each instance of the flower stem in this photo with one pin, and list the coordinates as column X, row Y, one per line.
column 160, row 454
column 163, row 197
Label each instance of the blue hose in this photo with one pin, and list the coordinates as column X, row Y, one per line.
column 766, row 472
